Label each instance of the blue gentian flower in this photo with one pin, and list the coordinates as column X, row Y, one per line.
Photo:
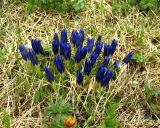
column 55, row 43
column 59, row 63
column 93, row 58
column 87, row 67
column 23, row 51
column 96, row 53
column 106, row 61
column 67, row 51
column 79, row 41
column 34, row 45
column 128, row 57
column 84, row 51
column 113, row 46
column 78, row 55
column 99, row 38
column 98, row 48
column 74, row 36
column 100, row 73
column 49, row 74
column 37, row 47
column 106, row 78
column 32, row 56
column 107, row 49
column 82, row 33
column 79, row 75
column 90, row 43
column 56, row 38
column 116, row 63
column 77, row 37
column 63, row 35
column 62, row 45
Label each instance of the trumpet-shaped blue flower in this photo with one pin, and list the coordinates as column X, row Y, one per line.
column 55, row 43
column 116, row 63
column 49, row 74
column 113, row 46
column 87, row 67
column 37, row 47
column 62, row 46
column 56, row 38
column 23, row 51
column 90, row 43
column 67, row 51
column 106, row 78
column 106, row 61
column 63, row 35
column 32, row 56
column 79, row 75
column 34, row 45
column 79, row 41
column 84, row 51
column 96, row 53
column 59, row 63
column 77, row 37
column 82, row 33
column 107, row 50
column 74, row 36
column 78, row 55
column 128, row 57
column 100, row 73
column 93, row 58
column 98, row 48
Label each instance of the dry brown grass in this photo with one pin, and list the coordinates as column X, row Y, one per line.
column 19, row 26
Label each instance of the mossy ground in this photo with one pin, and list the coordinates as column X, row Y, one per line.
column 134, row 31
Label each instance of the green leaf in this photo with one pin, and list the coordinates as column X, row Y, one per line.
column 79, row 4
column 38, row 71
column 88, row 121
column 148, row 91
column 138, row 58
column 102, row 125
column 47, row 48
column 117, row 7
column 59, row 107
column 111, row 123
column 111, row 108
column 144, row 4
column 140, row 35
column 5, row 119
column 58, row 121
column 37, row 96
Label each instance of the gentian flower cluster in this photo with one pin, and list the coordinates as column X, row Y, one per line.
column 62, row 50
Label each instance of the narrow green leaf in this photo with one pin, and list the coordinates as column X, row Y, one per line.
column 5, row 119
column 37, row 96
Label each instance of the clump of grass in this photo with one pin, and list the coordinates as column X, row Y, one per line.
column 124, row 7
column 59, row 5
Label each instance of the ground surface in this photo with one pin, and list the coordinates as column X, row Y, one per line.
column 135, row 31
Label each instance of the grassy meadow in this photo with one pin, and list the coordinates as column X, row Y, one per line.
column 132, row 98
